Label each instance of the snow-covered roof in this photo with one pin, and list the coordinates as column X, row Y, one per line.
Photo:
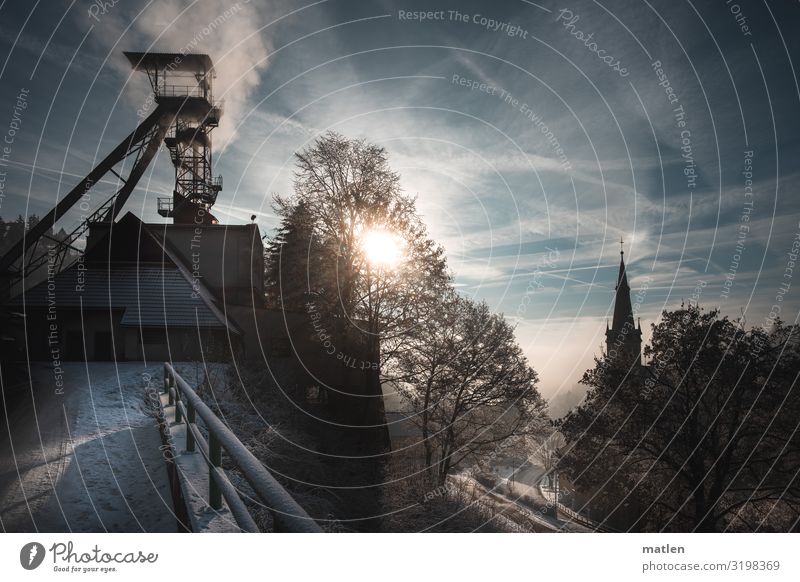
column 150, row 295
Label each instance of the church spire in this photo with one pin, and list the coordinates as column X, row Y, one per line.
column 623, row 337
column 623, row 310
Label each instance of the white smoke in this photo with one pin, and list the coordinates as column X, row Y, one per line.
column 235, row 35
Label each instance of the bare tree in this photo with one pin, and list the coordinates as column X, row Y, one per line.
column 547, row 450
column 345, row 190
column 469, row 385
column 350, row 190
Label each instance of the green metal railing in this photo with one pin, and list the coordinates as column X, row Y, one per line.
column 287, row 515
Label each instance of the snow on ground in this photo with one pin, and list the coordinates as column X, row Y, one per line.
column 99, row 467
column 514, row 509
column 504, row 471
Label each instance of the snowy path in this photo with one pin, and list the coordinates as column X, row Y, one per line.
column 87, row 459
column 525, row 485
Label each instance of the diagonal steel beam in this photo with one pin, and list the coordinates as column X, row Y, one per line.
column 161, row 118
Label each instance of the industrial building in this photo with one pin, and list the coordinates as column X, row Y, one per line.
column 190, row 289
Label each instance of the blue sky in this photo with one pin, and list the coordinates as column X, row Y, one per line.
column 529, row 227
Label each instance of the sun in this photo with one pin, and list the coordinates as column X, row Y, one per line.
column 382, row 248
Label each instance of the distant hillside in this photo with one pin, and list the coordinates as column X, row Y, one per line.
column 565, row 400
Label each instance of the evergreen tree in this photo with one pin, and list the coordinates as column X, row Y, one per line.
column 292, row 258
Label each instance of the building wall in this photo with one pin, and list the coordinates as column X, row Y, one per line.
column 226, row 258
column 181, row 344
column 97, row 335
column 105, row 339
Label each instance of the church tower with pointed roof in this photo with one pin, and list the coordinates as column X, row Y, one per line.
column 624, row 338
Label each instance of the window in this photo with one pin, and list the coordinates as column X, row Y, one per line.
column 280, row 347
column 315, row 394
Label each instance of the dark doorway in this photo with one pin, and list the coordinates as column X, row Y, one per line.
column 103, row 349
column 73, row 347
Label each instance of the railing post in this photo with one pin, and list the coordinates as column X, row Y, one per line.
column 169, row 381
column 178, row 415
column 215, row 458
column 189, row 421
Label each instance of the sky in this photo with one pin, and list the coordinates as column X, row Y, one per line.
column 535, row 136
